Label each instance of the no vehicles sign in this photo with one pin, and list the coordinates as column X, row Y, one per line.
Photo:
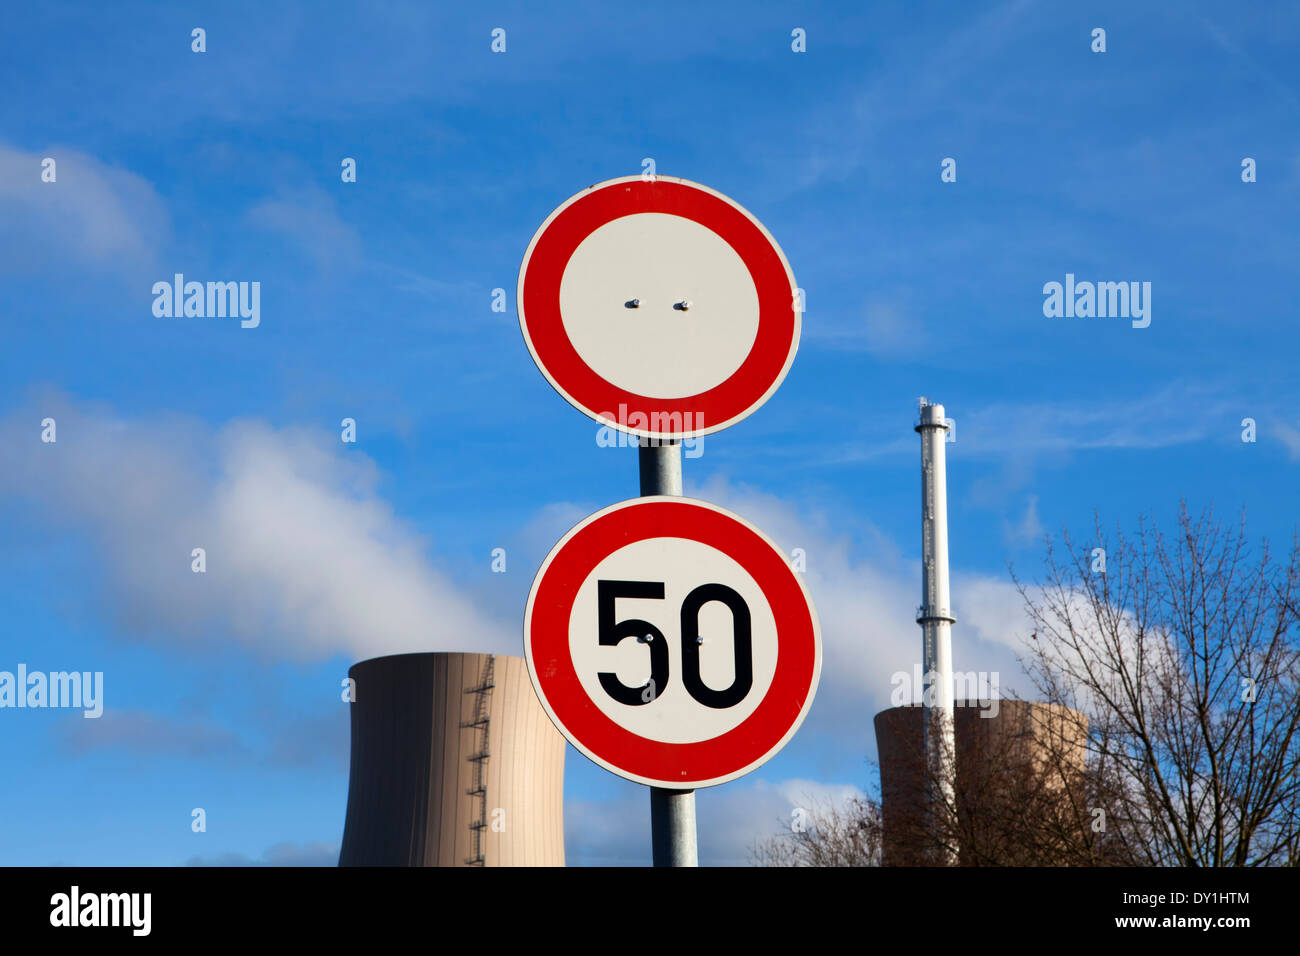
column 659, row 307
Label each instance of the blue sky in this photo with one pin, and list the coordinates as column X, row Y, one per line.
column 222, row 690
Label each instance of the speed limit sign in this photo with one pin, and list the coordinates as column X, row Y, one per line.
column 671, row 642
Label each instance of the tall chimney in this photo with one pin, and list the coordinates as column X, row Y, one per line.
column 935, row 616
column 454, row 763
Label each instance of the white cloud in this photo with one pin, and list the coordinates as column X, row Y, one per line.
column 991, row 611
column 310, row 219
column 91, row 215
column 304, row 558
column 1290, row 437
column 885, row 330
column 734, row 818
column 1028, row 529
column 888, row 331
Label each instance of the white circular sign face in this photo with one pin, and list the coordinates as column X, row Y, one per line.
column 643, row 348
column 630, row 661
column 671, row 642
column 659, row 307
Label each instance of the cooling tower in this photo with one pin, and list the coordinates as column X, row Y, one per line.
column 1022, row 758
column 454, row 763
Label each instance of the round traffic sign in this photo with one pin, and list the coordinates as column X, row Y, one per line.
column 659, row 307
column 671, row 642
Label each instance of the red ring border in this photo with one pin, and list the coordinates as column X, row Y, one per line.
column 703, row 763
column 539, row 306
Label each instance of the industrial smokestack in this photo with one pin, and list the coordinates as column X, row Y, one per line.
column 454, row 763
column 935, row 616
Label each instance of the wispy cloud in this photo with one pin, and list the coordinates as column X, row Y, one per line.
column 1290, row 438
column 151, row 734
column 1175, row 414
column 92, row 216
column 309, row 218
column 913, row 82
column 281, row 854
column 1021, row 434
column 885, row 329
column 1026, row 530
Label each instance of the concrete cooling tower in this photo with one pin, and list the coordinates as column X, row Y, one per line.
column 1020, row 750
column 454, row 763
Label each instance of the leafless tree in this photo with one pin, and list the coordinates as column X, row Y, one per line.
column 1185, row 657
column 825, row 833
column 1165, row 731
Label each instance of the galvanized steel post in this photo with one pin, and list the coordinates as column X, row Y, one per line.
column 672, row 812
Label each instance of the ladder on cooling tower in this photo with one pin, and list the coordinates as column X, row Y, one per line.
column 479, row 758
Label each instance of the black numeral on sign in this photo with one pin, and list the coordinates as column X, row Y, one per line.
column 613, row 632
column 744, row 645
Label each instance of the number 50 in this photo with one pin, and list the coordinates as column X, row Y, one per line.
column 613, row 632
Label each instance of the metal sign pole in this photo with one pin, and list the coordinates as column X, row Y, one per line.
column 672, row 827
column 696, row 237
column 672, row 812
